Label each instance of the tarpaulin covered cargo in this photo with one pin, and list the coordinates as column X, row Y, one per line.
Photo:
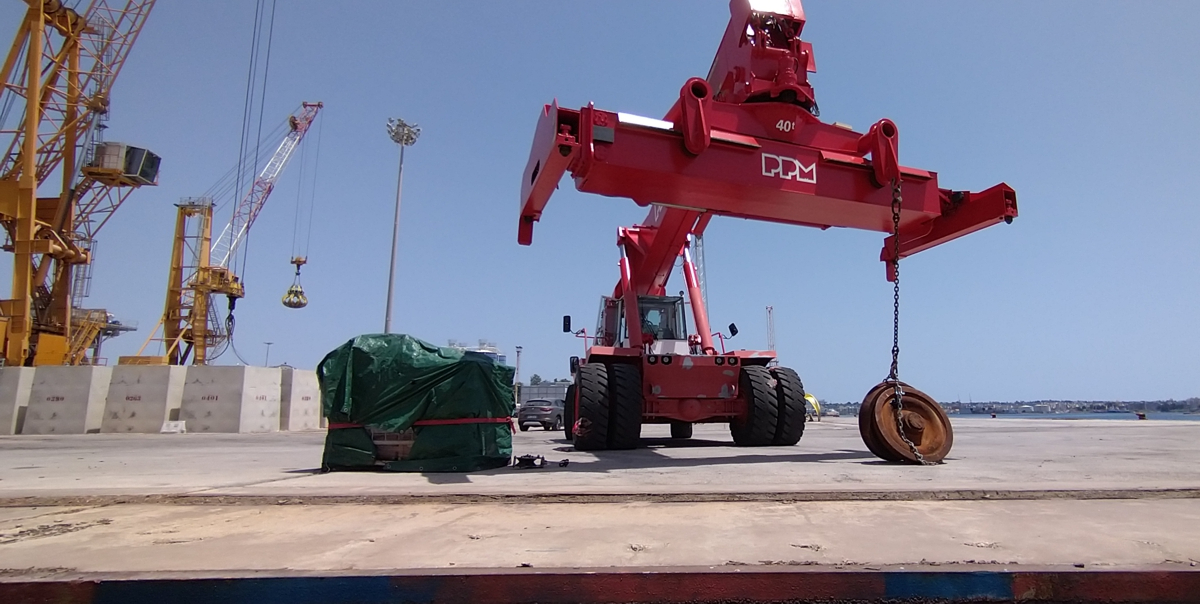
column 458, row 404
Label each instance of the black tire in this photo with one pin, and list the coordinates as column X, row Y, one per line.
column 757, row 427
column 569, row 412
column 681, row 429
column 524, row 428
column 592, row 385
column 625, row 406
column 789, row 390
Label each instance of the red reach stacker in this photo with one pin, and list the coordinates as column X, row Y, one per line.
column 746, row 142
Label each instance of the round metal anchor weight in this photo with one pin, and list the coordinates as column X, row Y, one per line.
column 925, row 424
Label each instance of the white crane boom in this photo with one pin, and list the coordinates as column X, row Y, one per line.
column 224, row 248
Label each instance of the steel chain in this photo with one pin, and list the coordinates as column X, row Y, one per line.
column 894, row 375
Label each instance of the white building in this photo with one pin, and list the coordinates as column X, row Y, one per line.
column 485, row 347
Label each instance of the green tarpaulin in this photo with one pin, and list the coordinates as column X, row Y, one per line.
column 391, row 382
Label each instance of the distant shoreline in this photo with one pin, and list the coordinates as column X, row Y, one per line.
column 1125, row 416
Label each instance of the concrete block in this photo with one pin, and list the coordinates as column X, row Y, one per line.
column 299, row 400
column 141, row 398
column 231, row 399
column 15, row 384
column 175, row 427
column 67, row 400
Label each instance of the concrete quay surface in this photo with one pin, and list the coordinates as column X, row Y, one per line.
column 990, row 456
column 221, row 539
column 1015, row 494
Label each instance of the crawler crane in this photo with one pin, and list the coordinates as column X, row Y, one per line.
column 745, row 142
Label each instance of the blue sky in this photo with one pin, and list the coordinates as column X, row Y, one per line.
column 1086, row 109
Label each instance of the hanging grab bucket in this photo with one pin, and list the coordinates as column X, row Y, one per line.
column 295, row 298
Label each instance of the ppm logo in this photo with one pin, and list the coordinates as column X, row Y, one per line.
column 788, row 168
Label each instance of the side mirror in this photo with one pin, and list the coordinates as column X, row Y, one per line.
column 566, row 323
column 574, row 365
column 732, row 329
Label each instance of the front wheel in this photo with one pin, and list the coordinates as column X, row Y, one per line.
column 569, row 412
column 790, row 392
column 625, row 406
column 591, row 385
column 756, row 427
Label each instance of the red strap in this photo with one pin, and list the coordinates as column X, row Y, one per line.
column 440, row 422
column 468, row 420
column 465, row 420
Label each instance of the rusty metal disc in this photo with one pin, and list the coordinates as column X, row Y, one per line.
column 925, row 424
column 867, row 428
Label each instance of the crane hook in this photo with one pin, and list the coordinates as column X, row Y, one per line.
column 295, row 298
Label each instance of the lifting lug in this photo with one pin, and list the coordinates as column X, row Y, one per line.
column 693, row 115
column 882, row 141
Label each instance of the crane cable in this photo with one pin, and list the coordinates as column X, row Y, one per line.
column 247, row 119
column 295, row 297
column 245, row 248
column 224, row 190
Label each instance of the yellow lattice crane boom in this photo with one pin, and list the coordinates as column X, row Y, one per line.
column 58, row 76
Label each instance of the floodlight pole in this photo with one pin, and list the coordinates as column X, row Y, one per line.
column 517, row 379
column 405, row 135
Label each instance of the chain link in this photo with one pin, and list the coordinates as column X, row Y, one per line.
column 894, row 374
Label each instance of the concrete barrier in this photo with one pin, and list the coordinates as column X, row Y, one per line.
column 15, row 384
column 231, row 399
column 141, row 398
column 299, row 400
column 67, row 400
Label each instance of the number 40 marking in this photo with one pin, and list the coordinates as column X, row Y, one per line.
column 785, row 126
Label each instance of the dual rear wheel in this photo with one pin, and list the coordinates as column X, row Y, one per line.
column 774, row 407
column 610, row 407
column 608, row 399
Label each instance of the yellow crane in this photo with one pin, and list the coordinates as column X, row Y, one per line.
column 202, row 268
column 57, row 78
